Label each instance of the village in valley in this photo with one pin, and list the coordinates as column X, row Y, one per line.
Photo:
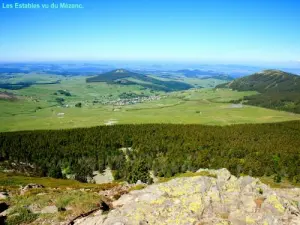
column 132, row 101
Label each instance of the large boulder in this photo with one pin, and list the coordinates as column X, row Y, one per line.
column 218, row 199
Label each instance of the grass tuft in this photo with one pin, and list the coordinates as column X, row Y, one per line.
column 187, row 174
column 137, row 187
column 21, row 216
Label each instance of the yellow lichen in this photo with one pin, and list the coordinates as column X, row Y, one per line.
column 275, row 202
column 231, row 187
column 195, row 206
column 223, row 223
column 158, row 201
column 249, row 220
column 165, row 189
column 214, row 196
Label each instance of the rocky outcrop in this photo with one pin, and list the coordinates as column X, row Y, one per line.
column 28, row 187
column 219, row 199
column 102, row 178
column 116, row 192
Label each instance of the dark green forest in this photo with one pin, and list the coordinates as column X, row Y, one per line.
column 254, row 149
column 21, row 85
column 277, row 90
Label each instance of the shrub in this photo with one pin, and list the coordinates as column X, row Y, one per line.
column 277, row 178
column 21, row 216
column 78, row 105
column 138, row 171
column 137, row 187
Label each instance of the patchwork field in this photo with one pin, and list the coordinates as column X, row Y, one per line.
column 42, row 107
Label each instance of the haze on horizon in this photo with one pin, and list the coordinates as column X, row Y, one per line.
column 214, row 31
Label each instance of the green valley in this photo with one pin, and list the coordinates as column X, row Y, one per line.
column 55, row 106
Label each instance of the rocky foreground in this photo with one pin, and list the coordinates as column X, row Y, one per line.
column 220, row 198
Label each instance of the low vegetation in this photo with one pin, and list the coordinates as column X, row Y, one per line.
column 186, row 174
column 67, row 204
column 137, row 187
column 214, row 107
column 63, row 92
column 69, row 198
column 13, row 181
column 21, row 215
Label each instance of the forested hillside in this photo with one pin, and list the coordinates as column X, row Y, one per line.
column 278, row 90
column 125, row 77
column 257, row 149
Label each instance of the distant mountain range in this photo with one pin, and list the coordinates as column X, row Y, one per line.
column 204, row 74
column 126, row 77
column 277, row 89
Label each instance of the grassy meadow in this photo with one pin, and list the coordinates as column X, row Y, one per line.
column 37, row 107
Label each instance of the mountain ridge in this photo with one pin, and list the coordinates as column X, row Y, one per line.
column 121, row 76
column 266, row 81
column 195, row 73
column 277, row 89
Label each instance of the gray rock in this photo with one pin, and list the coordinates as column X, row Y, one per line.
column 105, row 177
column 237, row 218
column 203, row 200
column 248, row 203
column 49, row 209
column 34, row 208
column 139, row 182
column 3, row 195
column 244, row 181
column 272, row 205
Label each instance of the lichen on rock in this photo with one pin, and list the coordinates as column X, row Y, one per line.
column 219, row 199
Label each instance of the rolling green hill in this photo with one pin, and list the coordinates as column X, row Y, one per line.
column 125, row 77
column 277, row 90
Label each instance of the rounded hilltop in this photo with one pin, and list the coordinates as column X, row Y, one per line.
column 121, row 71
column 125, row 77
column 274, row 72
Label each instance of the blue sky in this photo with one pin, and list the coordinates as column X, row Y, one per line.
column 233, row 31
